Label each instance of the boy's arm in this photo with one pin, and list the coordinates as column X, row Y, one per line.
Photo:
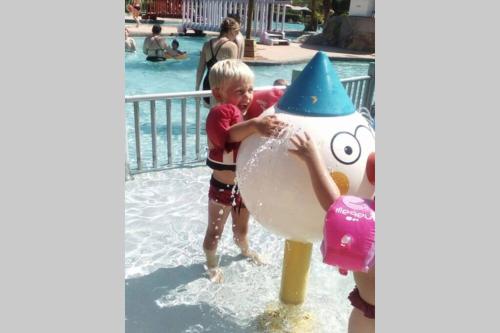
column 239, row 132
column 225, row 125
column 267, row 126
column 324, row 187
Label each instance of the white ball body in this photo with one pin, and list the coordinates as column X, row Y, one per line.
column 276, row 186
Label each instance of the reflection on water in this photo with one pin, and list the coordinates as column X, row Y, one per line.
column 166, row 289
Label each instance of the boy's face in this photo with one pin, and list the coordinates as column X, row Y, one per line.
column 235, row 92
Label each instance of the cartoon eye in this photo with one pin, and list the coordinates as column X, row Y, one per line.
column 345, row 148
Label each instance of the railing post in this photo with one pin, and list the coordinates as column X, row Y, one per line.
column 153, row 133
column 272, row 17
column 169, row 131
column 198, row 127
column 137, row 128
column 128, row 175
column 371, row 86
column 183, row 10
column 283, row 19
column 183, row 128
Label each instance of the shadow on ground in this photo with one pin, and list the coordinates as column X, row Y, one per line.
column 143, row 315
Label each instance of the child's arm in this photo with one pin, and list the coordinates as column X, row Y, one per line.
column 266, row 126
column 325, row 188
column 201, row 67
column 145, row 46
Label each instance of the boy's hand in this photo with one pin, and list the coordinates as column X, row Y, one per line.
column 305, row 148
column 269, row 125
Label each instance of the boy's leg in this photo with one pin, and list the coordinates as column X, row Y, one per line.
column 240, row 219
column 217, row 216
column 358, row 323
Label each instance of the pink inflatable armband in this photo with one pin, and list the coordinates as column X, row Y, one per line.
column 349, row 234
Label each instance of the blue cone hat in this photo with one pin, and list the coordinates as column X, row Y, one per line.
column 317, row 92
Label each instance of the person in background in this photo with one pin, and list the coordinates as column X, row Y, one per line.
column 240, row 39
column 134, row 8
column 129, row 42
column 280, row 82
column 216, row 49
column 156, row 47
column 175, row 47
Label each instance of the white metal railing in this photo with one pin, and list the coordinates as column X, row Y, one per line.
column 189, row 116
column 208, row 14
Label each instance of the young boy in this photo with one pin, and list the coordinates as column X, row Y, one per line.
column 232, row 87
column 362, row 319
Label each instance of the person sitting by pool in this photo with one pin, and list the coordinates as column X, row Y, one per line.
column 129, row 42
column 226, row 126
column 362, row 298
column 134, row 8
column 155, row 46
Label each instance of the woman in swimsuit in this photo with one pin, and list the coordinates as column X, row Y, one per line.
column 155, row 46
column 216, row 49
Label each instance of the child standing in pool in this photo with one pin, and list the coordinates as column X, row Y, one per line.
column 362, row 319
column 232, row 87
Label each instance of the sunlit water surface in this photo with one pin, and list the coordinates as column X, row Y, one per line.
column 166, row 287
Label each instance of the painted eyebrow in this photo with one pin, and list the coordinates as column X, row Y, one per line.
column 362, row 126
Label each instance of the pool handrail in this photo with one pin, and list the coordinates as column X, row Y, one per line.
column 359, row 88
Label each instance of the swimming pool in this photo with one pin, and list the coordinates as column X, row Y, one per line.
column 165, row 221
column 166, row 289
column 144, row 77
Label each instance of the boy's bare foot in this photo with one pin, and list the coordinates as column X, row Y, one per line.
column 215, row 275
column 254, row 257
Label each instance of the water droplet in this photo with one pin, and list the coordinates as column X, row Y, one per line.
column 346, row 239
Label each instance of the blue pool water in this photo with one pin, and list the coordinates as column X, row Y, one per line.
column 144, row 77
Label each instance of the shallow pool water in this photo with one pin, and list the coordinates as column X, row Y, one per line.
column 166, row 289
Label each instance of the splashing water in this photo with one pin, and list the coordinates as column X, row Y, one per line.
column 166, row 284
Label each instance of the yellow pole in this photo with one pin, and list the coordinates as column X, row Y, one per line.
column 296, row 262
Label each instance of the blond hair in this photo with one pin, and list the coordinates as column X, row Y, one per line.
column 228, row 70
column 228, row 25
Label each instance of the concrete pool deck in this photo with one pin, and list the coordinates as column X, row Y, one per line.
column 265, row 55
